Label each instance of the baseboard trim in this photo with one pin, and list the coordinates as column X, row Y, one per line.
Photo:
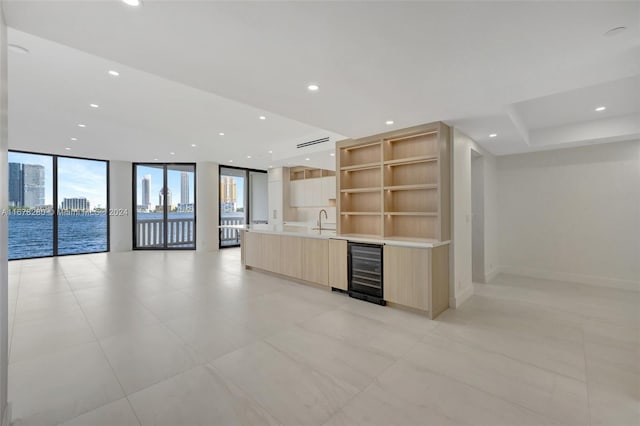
column 459, row 299
column 573, row 278
column 492, row 275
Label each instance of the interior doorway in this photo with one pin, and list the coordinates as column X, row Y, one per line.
column 477, row 217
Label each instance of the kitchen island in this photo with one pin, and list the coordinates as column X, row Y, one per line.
column 416, row 273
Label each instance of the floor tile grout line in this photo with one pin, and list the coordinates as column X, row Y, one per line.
column 500, row 397
column 13, row 321
column 586, row 376
column 104, row 354
column 461, row 340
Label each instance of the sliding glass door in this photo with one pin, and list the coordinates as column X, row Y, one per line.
column 57, row 205
column 164, row 206
column 243, row 200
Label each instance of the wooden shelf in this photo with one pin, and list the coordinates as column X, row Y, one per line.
column 357, row 167
column 432, row 214
column 362, row 146
column 360, row 213
column 352, row 190
column 396, row 184
column 410, row 187
column 411, row 160
column 412, row 136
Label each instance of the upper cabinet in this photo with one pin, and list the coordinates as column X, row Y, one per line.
column 396, row 185
column 311, row 187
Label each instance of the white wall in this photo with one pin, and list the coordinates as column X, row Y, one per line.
column 477, row 220
column 258, row 196
column 572, row 214
column 207, row 206
column 120, row 197
column 461, row 282
column 4, row 136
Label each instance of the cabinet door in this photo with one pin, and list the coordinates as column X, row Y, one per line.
column 328, row 189
column 291, row 256
column 296, row 193
column 275, row 202
column 406, row 276
column 252, row 242
column 270, row 253
column 338, row 264
column 313, row 193
column 315, row 260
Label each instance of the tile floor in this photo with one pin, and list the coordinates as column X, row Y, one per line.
column 183, row 338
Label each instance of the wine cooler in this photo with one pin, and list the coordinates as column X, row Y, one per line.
column 365, row 272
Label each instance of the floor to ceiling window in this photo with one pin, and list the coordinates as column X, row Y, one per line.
column 243, row 200
column 57, row 205
column 164, row 206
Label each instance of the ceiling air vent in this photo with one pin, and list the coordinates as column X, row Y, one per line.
column 314, row 142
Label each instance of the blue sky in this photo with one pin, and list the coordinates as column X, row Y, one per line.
column 156, row 184
column 76, row 177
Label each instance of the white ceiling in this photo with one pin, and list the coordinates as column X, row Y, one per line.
column 486, row 67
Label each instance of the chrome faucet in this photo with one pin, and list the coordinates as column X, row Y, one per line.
column 320, row 218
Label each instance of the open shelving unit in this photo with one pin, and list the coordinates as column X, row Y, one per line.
column 396, row 185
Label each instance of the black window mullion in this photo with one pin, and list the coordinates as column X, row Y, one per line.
column 55, row 205
column 165, row 216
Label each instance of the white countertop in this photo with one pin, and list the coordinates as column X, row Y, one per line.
column 312, row 232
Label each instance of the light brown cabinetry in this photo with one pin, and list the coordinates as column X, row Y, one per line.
column 291, row 256
column 338, row 264
column 396, row 185
column 296, row 257
column 315, row 260
column 262, row 251
column 406, row 276
column 417, row 278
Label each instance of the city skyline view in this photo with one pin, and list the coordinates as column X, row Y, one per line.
column 77, row 178
column 176, row 184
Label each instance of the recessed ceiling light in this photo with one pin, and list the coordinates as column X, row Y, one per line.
column 313, row 87
column 82, row 125
column 114, row 73
column 193, row 145
column 68, row 149
column 388, row 122
column 307, row 159
column 493, row 135
column 231, row 161
column 74, row 139
column 132, row 2
column 94, row 105
column 271, row 167
column 262, row 117
column 172, row 153
column 270, row 152
column 615, row 31
column 333, row 154
column 18, row 49
column 601, row 108
column 248, row 156
column 155, row 159
column 221, row 133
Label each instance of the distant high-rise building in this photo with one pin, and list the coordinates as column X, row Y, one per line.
column 228, row 194
column 16, row 185
column 184, row 188
column 76, row 204
column 33, row 179
column 161, row 198
column 146, row 191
